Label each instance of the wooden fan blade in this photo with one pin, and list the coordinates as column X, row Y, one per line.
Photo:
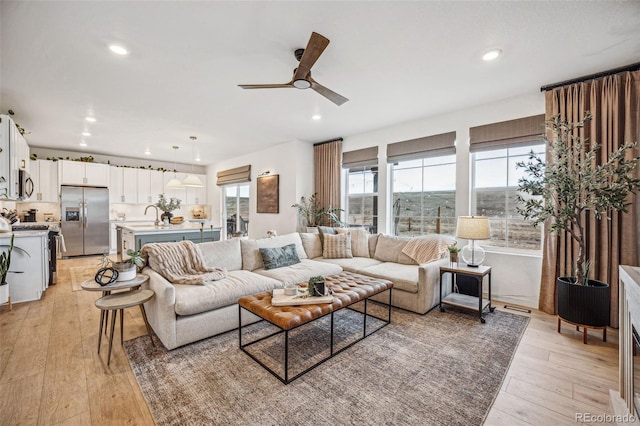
column 266, row 86
column 327, row 93
column 315, row 47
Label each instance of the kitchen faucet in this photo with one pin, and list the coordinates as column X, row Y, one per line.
column 157, row 222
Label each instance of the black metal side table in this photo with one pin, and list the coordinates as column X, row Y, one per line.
column 474, row 303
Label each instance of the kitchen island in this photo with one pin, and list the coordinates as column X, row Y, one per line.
column 134, row 236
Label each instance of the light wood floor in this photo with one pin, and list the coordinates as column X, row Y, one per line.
column 50, row 372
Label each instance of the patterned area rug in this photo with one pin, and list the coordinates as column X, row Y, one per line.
column 79, row 274
column 436, row 369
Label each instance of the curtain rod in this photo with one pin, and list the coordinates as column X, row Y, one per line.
column 329, row 141
column 632, row 67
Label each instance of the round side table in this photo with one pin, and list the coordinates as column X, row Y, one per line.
column 92, row 285
column 119, row 302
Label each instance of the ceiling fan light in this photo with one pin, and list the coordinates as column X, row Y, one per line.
column 174, row 183
column 301, row 84
column 192, row 181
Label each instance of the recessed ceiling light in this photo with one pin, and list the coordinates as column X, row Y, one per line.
column 83, row 143
column 198, row 158
column 316, row 117
column 90, row 119
column 147, row 152
column 86, row 134
column 118, row 50
column 492, row 54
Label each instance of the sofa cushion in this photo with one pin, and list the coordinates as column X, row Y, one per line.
column 278, row 257
column 300, row 272
column 373, row 240
column 359, row 240
column 191, row 299
column 326, row 230
column 336, row 246
column 224, row 253
column 354, row 264
column 312, row 244
column 404, row 277
column 389, row 249
column 251, row 257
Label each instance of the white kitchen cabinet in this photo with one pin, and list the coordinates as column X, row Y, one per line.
column 113, row 238
column 44, row 174
column 150, row 185
column 28, row 276
column 197, row 195
column 128, row 242
column 81, row 173
column 14, row 155
column 123, row 186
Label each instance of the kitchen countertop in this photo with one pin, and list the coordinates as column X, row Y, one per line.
column 140, row 229
column 20, row 234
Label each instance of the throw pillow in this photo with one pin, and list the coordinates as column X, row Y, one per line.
column 311, row 244
column 279, row 256
column 326, row 230
column 337, row 246
column 359, row 240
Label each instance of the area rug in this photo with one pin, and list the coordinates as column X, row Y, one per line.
column 434, row 369
column 80, row 274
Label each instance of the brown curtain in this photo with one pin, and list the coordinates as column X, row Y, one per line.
column 614, row 102
column 326, row 158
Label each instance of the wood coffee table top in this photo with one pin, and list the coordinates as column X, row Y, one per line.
column 348, row 288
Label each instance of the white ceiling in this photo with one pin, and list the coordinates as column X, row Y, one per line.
column 395, row 61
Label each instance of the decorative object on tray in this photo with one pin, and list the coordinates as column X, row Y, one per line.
column 167, row 206
column 126, row 269
column 279, row 298
column 316, row 287
column 106, row 276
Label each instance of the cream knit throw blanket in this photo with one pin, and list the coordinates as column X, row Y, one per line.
column 181, row 263
column 427, row 249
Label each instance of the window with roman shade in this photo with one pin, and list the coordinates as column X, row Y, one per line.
column 423, row 184
column 496, row 149
column 237, row 175
column 362, row 187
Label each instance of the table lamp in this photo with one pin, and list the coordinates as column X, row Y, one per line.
column 473, row 228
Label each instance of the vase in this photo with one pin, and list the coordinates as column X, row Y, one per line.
column 126, row 271
column 583, row 304
column 166, row 215
column 4, row 293
column 453, row 257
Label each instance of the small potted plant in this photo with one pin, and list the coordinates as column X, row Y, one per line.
column 453, row 252
column 167, row 206
column 126, row 269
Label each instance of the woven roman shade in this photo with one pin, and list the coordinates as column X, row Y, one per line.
column 507, row 134
column 360, row 158
column 429, row 146
column 237, row 175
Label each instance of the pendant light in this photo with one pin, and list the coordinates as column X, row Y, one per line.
column 192, row 180
column 174, row 183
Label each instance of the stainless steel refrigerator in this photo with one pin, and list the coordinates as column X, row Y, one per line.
column 85, row 220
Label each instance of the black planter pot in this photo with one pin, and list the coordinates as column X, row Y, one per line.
column 584, row 304
column 166, row 215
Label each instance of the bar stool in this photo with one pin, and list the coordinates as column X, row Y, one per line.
column 119, row 302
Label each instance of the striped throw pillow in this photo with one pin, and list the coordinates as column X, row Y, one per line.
column 337, row 246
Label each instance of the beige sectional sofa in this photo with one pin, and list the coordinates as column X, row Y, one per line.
column 181, row 314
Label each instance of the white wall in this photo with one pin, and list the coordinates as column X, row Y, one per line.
column 293, row 161
column 516, row 277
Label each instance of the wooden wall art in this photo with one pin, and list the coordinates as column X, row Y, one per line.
column 268, row 199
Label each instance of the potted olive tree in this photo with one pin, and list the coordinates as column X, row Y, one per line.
column 572, row 184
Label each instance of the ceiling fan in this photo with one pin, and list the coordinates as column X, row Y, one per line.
column 302, row 75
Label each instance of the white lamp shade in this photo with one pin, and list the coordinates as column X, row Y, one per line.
column 473, row 227
column 174, row 183
column 192, row 181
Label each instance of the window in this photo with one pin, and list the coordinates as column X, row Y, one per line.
column 236, row 209
column 362, row 197
column 424, row 193
column 494, row 194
